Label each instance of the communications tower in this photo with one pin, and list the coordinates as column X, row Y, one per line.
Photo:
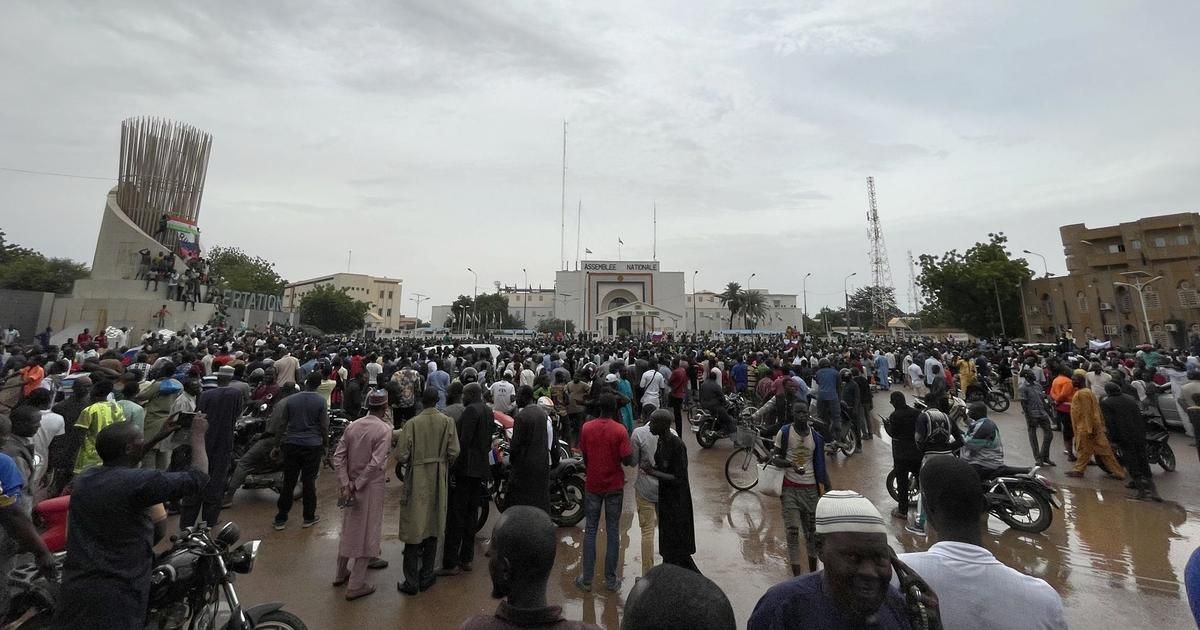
column 881, row 270
column 914, row 291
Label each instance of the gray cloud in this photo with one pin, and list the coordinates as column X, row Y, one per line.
column 426, row 135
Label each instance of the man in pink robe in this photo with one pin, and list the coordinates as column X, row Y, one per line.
column 360, row 461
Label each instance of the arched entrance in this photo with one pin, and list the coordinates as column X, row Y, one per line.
column 615, row 299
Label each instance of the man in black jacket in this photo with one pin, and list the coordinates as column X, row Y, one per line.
column 530, row 454
column 467, row 476
column 906, row 455
column 1124, row 415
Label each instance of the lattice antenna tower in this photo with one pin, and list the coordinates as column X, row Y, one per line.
column 914, row 291
column 881, row 270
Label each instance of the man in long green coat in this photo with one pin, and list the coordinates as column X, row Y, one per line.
column 428, row 445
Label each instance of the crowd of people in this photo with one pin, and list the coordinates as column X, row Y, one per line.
column 133, row 434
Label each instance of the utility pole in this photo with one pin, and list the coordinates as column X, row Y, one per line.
column 418, row 298
column 695, row 324
column 1140, row 286
column 846, row 295
column 475, row 298
column 999, row 310
column 804, row 313
column 525, row 316
column 562, row 233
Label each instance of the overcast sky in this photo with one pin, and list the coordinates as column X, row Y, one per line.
column 427, row 136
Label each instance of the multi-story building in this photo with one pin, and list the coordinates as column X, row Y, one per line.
column 1098, row 299
column 383, row 294
column 609, row 297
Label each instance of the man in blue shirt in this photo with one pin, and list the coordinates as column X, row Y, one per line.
column 829, row 405
column 739, row 375
column 853, row 590
column 306, row 433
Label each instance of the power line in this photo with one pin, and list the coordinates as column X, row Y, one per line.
column 53, row 174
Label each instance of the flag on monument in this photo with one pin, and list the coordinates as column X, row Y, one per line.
column 188, row 248
column 182, row 225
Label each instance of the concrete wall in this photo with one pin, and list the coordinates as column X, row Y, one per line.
column 29, row 311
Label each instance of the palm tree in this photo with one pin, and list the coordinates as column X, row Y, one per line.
column 731, row 298
column 754, row 307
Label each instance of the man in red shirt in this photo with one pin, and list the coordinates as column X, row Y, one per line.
column 678, row 383
column 604, row 443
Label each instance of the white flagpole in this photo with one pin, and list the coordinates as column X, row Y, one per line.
column 654, row 220
column 578, row 228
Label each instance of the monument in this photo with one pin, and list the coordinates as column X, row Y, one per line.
column 154, row 207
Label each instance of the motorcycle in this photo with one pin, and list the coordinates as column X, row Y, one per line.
column 191, row 587
column 958, row 411
column 566, row 485
column 1023, row 499
column 994, row 397
column 338, row 421
column 269, row 476
column 196, row 574
column 704, row 423
column 1158, row 448
column 850, row 441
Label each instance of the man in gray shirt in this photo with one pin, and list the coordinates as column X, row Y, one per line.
column 644, row 445
column 305, row 437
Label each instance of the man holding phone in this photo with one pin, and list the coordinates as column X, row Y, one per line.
column 221, row 406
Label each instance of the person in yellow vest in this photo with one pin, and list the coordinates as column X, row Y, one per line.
column 94, row 418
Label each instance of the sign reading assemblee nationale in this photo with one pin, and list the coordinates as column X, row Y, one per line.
column 253, row 301
column 624, row 267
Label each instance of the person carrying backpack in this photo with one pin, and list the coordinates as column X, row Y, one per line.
column 937, row 436
column 805, row 479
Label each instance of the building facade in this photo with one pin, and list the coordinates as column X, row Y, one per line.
column 1099, row 299
column 634, row 297
column 383, row 294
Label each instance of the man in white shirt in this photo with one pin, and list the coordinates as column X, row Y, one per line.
column 11, row 335
column 652, row 383
column 527, row 375
column 916, row 377
column 645, row 444
column 929, row 363
column 974, row 589
column 52, row 426
column 503, row 392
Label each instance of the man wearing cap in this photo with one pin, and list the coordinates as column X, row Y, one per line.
column 974, row 589
column 361, row 464
column 222, row 405
column 853, row 590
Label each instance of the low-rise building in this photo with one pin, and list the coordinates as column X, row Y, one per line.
column 382, row 293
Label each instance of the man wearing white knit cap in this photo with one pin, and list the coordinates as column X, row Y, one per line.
column 852, row 591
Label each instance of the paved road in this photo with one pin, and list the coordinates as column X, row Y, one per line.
column 1116, row 563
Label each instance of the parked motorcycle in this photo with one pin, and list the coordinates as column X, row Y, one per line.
column 850, row 441
column 704, row 423
column 191, row 587
column 1158, row 447
column 958, row 411
column 1023, row 499
column 338, row 421
column 566, row 485
column 994, row 397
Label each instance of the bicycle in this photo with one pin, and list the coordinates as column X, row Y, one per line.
column 744, row 465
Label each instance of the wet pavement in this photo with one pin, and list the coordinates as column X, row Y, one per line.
column 1116, row 563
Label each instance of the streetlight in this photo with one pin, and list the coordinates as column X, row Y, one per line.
column 804, row 314
column 694, row 324
column 475, row 291
column 418, row 298
column 1044, row 266
column 846, row 295
column 745, row 317
column 525, row 315
column 1139, row 286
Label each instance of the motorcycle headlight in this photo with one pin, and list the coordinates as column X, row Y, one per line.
column 242, row 558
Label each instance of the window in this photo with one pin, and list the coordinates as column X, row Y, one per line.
column 381, row 294
column 540, row 298
column 389, row 295
column 1081, row 298
column 776, row 303
column 1136, row 244
column 1116, row 248
column 389, row 312
column 1182, row 239
column 1188, row 297
column 1160, row 242
column 1151, row 297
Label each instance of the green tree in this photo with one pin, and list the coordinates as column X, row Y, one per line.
column 831, row 318
column 332, row 310
column 23, row 269
column 242, row 272
column 754, row 308
column 862, row 305
column 966, row 286
column 554, row 325
column 731, row 298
